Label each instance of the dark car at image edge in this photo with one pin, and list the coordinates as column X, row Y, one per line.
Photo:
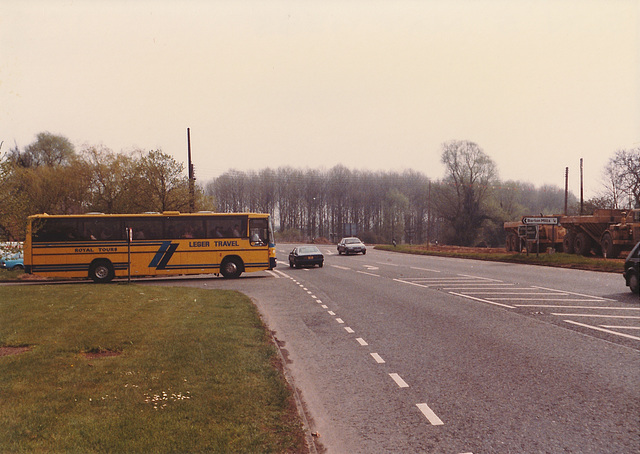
column 632, row 269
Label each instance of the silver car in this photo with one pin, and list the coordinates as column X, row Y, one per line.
column 351, row 245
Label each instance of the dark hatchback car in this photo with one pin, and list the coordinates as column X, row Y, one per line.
column 632, row 269
column 306, row 256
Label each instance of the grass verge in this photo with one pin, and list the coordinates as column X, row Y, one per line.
column 8, row 275
column 129, row 368
column 559, row 260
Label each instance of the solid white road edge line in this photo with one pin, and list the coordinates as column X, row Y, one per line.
column 579, row 307
column 620, row 327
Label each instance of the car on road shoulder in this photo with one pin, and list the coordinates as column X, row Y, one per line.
column 632, row 269
column 306, row 256
column 351, row 245
column 12, row 262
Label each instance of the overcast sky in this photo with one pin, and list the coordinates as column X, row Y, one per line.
column 376, row 85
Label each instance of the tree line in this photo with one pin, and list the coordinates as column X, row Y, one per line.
column 50, row 176
column 467, row 207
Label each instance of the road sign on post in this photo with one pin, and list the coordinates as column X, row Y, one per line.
column 540, row 220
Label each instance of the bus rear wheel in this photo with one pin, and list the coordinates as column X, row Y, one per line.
column 231, row 268
column 101, row 271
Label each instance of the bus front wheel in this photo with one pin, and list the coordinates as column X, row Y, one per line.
column 101, row 271
column 231, row 268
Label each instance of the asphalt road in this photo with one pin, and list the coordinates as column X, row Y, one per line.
column 400, row 353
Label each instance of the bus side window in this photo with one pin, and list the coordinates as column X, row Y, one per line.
column 258, row 229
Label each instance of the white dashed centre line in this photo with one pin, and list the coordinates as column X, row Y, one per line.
column 331, row 313
column 378, row 358
column 349, row 330
column 361, row 341
column 399, row 381
column 339, row 320
column 430, row 415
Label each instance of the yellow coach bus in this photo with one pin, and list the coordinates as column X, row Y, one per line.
column 103, row 246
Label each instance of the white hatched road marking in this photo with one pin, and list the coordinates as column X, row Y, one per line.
column 547, row 299
column 634, row 317
column 576, row 294
column 481, row 300
column 629, row 336
column 498, row 293
column 424, row 269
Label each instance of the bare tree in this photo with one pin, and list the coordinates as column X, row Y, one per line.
column 470, row 173
column 622, row 179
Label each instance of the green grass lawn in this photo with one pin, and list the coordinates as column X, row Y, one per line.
column 130, row 368
column 557, row 259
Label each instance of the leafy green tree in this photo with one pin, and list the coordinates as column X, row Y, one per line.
column 109, row 175
column 159, row 184
column 48, row 150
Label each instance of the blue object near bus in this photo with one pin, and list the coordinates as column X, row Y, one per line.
column 12, row 262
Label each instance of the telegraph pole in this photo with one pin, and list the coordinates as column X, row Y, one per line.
column 566, row 189
column 192, row 178
column 581, row 187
